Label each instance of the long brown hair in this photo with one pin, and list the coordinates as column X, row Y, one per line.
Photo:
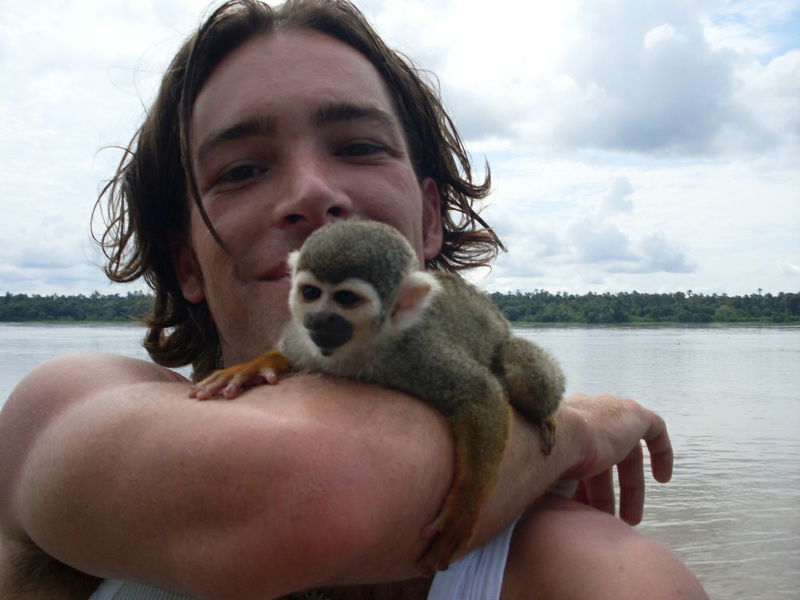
column 145, row 204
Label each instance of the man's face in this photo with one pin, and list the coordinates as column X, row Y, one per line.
column 291, row 131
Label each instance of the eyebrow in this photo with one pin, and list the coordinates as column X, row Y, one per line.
column 266, row 125
column 342, row 112
column 259, row 125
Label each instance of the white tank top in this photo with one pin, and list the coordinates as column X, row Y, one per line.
column 476, row 576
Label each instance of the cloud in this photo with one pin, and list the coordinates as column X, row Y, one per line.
column 597, row 237
column 659, row 78
column 616, row 199
column 597, row 241
column 654, row 86
column 660, row 255
column 789, row 269
column 770, row 93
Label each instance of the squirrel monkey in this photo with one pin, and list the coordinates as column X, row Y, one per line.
column 361, row 309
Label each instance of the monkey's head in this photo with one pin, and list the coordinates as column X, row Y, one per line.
column 354, row 283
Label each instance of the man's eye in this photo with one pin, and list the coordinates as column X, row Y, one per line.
column 241, row 173
column 346, row 298
column 311, row 293
column 361, row 149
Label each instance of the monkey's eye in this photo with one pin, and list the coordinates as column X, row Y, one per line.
column 346, row 298
column 311, row 293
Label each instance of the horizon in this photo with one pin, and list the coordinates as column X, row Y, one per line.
column 687, row 293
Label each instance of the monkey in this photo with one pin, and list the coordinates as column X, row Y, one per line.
column 362, row 309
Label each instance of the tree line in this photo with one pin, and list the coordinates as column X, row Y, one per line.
column 94, row 307
column 539, row 306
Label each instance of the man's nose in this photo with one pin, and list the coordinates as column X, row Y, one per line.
column 309, row 198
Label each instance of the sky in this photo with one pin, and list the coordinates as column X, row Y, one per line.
column 634, row 145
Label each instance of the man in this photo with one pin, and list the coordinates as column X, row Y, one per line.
column 267, row 126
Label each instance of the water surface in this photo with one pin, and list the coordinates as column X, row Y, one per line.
column 731, row 398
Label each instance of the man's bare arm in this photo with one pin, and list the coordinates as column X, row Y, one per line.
column 314, row 481
column 286, row 487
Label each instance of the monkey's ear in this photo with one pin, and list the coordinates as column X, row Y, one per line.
column 292, row 259
column 417, row 291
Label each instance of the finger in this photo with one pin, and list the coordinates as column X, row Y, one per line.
column 660, row 448
column 600, row 492
column 201, row 392
column 208, row 387
column 231, row 390
column 236, row 384
column 631, row 486
column 269, row 376
column 211, row 388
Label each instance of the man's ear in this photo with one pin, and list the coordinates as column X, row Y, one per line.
column 417, row 291
column 190, row 278
column 432, row 236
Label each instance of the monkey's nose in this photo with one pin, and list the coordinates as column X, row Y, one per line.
column 328, row 330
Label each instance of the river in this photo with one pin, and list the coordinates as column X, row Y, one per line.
column 730, row 396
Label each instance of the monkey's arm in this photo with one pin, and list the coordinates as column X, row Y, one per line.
column 267, row 368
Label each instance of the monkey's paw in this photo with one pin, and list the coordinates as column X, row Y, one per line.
column 267, row 368
column 450, row 533
column 547, row 431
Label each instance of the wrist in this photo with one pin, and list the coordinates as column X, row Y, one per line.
column 572, row 441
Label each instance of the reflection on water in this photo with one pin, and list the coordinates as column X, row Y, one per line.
column 731, row 398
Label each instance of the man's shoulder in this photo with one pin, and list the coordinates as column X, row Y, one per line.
column 56, row 386
column 67, row 378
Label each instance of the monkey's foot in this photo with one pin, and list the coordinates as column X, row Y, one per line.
column 450, row 531
column 267, row 368
column 547, row 431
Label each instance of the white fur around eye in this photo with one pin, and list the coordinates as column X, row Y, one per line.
column 297, row 301
column 372, row 305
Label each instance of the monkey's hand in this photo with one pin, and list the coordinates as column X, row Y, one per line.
column 450, row 532
column 547, row 431
column 267, row 368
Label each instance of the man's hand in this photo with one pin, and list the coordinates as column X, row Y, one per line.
column 611, row 430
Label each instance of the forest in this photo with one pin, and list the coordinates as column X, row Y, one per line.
column 539, row 306
column 95, row 307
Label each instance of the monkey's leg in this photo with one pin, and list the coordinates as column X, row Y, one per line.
column 534, row 383
column 267, row 368
column 480, row 428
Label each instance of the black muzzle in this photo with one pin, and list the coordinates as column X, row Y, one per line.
column 328, row 331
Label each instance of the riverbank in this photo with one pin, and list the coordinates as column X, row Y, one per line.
column 537, row 307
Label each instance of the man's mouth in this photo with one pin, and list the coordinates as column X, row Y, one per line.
column 279, row 273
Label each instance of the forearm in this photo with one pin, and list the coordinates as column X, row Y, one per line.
column 526, row 473
column 311, row 482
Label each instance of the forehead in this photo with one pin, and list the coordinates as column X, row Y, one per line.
column 284, row 74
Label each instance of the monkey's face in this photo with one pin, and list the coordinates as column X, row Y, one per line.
column 337, row 318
